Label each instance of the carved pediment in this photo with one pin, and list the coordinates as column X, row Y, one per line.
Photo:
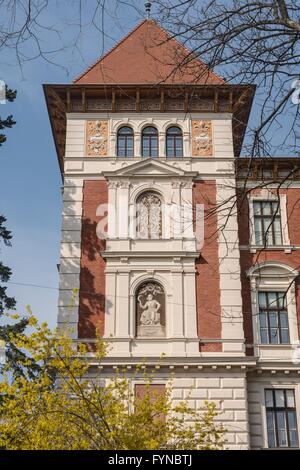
column 149, row 168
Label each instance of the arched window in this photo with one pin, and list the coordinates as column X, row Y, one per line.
column 125, row 142
column 150, row 310
column 149, row 216
column 149, row 142
column 174, row 147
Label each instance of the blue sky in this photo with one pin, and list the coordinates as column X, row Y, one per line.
column 30, row 181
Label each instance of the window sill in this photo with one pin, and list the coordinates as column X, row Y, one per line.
column 285, row 248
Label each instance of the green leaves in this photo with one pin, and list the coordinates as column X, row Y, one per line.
column 9, row 121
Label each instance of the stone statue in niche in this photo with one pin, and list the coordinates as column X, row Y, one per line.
column 150, row 315
column 150, row 307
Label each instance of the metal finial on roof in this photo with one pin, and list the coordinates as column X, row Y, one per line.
column 148, row 9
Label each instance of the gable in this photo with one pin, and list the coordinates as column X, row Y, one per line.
column 148, row 167
column 148, row 55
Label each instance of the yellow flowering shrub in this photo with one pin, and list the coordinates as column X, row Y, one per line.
column 69, row 405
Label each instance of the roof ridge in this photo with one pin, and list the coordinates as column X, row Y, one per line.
column 140, row 23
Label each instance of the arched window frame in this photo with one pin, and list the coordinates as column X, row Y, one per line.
column 128, row 139
column 174, row 142
column 140, row 232
column 273, row 276
column 149, row 142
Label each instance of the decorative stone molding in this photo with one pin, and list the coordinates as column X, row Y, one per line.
column 97, row 138
column 202, row 138
column 124, row 184
column 112, row 184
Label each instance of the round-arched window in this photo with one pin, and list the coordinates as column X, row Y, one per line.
column 125, row 142
column 150, row 142
column 174, row 143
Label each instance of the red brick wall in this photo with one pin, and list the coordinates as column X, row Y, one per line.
column 154, row 391
column 92, row 277
column 250, row 259
column 207, row 270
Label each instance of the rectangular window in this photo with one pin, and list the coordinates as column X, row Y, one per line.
column 273, row 318
column 281, row 418
column 267, row 223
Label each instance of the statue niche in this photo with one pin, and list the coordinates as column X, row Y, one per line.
column 150, row 310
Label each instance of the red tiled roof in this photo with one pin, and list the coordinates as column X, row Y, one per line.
column 148, row 55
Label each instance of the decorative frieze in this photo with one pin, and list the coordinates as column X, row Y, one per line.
column 98, row 104
column 150, row 104
column 202, row 138
column 126, row 104
column 174, row 104
column 97, row 138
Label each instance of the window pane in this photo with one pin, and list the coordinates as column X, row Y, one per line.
column 271, row 438
column 256, row 208
column 266, row 206
column 284, row 320
column 269, row 398
column 290, row 398
column 169, row 148
column 268, row 230
column 292, row 419
column 264, row 337
column 282, row 438
column 146, row 148
column 262, row 299
column 149, row 130
column 273, row 319
column 279, row 398
column 285, row 337
column 272, row 299
column 277, row 231
column 263, row 320
column 294, row 438
column 275, row 205
column 270, row 428
column 258, row 232
column 274, row 336
column 282, row 431
column 281, row 298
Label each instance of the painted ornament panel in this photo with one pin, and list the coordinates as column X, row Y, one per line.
column 202, row 138
column 97, row 138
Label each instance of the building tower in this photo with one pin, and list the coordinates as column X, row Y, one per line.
column 149, row 145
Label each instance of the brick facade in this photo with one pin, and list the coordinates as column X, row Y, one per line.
column 92, row 265
column 207, row 270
